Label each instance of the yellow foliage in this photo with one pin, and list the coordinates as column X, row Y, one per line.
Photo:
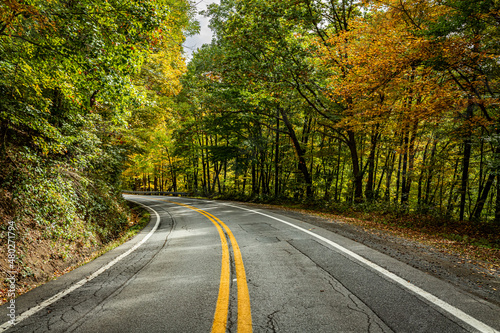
column 376, row 68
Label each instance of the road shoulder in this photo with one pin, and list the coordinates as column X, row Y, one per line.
column 467, row 274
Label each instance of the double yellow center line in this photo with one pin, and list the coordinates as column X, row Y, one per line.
column 222, row 308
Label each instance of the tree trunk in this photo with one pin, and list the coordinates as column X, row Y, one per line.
column 421, row 176
column 389, row 177
column 276, row 158
column 497, row 203
column 430, row 172
column 371, row 165
column 338, row 172
column 264, row 183
column 384, row 170
column 404, row 190
column 337, row 199
column 465, row 163
column 453, row 195
column 255, row 190
column 244, row 181
column 411, row 163
column 203, row 167
column 300, row 154
column 482, row 197
column 398, row 177
column 356, row 170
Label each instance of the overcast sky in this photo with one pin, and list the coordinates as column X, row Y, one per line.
column 205, row 36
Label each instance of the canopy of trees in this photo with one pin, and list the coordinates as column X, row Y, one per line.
column 75, row 78
column 391, row 102
column 348, row 102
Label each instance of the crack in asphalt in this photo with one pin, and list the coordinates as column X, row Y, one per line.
column 369, row 319
column 357, row 304
column 122, row 286
column 48, row 320
column 61, row 318
column 272, row 323
column 448, row 267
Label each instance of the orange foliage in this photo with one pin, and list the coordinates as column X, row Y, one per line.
column 379, row 67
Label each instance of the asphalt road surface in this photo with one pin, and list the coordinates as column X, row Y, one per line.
column 209, row 266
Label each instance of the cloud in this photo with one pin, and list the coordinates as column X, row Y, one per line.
column 205, row 36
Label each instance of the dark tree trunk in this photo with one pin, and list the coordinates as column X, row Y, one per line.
column 276, row 158
column 411, row 163
column 371, row 165
column 452, row 196
column 398, row 177
column 430, row 172
column 300, row 154
column 465, row 163
column 497, row 203
column 384, row 170
column 255, row 188
column 483, row 196
column 338, row 172
column 421, row 177
column 404, row 190
column 388, row 178
column 356, row 170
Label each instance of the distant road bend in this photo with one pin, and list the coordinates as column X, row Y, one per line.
column 209, row 266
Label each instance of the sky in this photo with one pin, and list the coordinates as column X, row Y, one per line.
column 205, row 36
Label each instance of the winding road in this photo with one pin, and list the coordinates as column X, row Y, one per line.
column 211, row 266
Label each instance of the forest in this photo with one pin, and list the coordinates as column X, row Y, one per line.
column 79, row 81
column 383, row 105
column 390, row 104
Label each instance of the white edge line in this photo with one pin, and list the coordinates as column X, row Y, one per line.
column 471, row 321
column 80, row 283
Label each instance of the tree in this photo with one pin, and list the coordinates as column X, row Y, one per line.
column 67, row 76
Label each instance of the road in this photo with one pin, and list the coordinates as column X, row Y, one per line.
column 202, row 266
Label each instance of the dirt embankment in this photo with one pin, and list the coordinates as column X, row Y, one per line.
column 41, row 258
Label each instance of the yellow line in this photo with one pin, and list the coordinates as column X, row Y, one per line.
column 220, row 317
column 244, row 311
column 221, row 310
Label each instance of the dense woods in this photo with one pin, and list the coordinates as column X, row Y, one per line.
column 75, row 79
column 390, row 104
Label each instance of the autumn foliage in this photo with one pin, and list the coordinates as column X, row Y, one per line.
column 74, row 76
column 387, row 103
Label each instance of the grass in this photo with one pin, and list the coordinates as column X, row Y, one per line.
column 139, row 219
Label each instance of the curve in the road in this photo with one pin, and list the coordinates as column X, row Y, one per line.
column 457, row 313
column 287, row 274
column 244, row 309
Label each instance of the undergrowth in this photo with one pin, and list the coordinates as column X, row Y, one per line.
column 63, row 215
column 474, row 233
